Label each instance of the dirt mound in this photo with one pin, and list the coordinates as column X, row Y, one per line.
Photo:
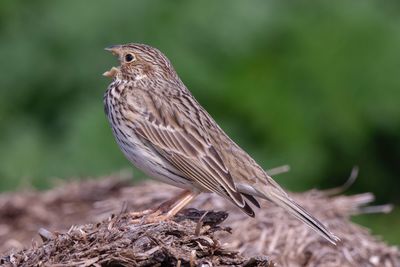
column 117, row 242
column 102, row 239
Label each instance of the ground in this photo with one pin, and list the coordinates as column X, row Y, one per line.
column 88, row 224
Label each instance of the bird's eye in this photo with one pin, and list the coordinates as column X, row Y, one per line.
column 129, row 57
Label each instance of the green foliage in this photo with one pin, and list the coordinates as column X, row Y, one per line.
column 311, row 84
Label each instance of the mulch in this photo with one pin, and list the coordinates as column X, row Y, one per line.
column 87, row 223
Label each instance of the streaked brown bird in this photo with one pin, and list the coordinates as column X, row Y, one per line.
column 165, row 132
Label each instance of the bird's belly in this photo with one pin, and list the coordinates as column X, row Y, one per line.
column 145, row 159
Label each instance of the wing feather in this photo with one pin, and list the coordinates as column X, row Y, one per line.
column 187, row 150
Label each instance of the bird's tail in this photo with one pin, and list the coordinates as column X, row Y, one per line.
column 275, row 194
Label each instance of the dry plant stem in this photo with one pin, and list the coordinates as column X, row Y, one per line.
column 338, row 190
column 279, row 170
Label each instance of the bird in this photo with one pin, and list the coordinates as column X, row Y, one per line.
column 164, row 131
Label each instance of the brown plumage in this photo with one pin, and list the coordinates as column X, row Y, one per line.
column 165, row 132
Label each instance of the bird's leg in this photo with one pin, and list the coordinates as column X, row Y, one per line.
column 160, row 209
column 181, row 203
column 169, row 208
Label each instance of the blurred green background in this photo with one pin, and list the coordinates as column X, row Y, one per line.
column 312, row 84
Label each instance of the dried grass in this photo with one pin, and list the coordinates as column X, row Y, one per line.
column 273, row 232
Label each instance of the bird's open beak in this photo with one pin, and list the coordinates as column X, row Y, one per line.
column 111, row 73
column 115, row 50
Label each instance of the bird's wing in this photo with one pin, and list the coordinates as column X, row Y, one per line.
column 183, row 143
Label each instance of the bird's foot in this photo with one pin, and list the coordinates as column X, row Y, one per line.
column 166, row 210
column 140, row 214
column 150, row 216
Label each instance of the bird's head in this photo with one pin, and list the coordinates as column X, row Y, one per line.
column 139, row 61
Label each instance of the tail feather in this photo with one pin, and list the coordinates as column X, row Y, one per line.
column 280, row 198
